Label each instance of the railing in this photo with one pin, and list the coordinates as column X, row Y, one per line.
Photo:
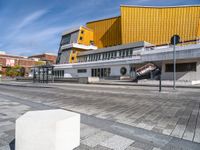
column 167, row 45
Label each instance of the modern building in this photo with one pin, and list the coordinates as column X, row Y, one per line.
column 135, row 44
column 73, row 42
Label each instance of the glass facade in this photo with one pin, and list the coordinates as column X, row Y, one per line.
column 65, row 39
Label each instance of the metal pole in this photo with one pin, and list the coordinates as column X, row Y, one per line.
column 47, row 75
column 39, row 74
column 160, row 83
column 34, row 75
column 174, row 59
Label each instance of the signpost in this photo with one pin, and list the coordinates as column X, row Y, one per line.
column 175, row 39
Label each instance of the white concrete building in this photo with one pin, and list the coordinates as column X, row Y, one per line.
column 132, row 59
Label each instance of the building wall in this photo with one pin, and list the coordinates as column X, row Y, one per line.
column 198, row 31
column 17, row 61
column 115, row 71
column 74, row 37
column 184, row 76
column 157, row 25
column 107, row 32
column 87, row 36
column 45, row 57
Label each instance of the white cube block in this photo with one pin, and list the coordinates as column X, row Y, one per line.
column 48, row 130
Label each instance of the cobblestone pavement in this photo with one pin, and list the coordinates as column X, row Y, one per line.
column 168, row 114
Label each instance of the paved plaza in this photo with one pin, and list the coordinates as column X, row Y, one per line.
column 112, row 117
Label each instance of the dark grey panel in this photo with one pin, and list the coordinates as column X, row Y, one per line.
column 64, row 58
column 74, row 37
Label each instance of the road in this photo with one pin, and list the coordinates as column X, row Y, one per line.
column 141, row 117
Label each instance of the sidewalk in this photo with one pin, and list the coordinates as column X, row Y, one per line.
column 145, row 83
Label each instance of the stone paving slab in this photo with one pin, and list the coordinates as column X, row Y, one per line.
column 174, row 114
column 91, row 138
column 117, row 143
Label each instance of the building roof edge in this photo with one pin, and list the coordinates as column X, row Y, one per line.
column 177, row 6
column 103, row 19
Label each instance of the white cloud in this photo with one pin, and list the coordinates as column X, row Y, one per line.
column 31, row 18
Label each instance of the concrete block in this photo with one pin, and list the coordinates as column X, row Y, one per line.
column 86, row 80
column 196, row 82
column 48, row 130
column 93, row 79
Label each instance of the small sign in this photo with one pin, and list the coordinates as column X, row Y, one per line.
column 176, row 39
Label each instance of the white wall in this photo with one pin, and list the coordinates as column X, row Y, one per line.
column 69, row 73
column 184, row 76
column 115, row 71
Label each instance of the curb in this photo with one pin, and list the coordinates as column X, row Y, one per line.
column 30, row 86
column 147, row 85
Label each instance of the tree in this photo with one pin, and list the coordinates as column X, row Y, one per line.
column 15, row 71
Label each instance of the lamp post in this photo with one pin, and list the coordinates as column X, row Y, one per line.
column 174, row 60
column 174, row 40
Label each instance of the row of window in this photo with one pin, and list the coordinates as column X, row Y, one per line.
column 58, row 73
column 100, row 72
column 182, row 67
column 107, row 55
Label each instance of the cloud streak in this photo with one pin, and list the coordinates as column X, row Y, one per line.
column 36, row 26
column 31, row 18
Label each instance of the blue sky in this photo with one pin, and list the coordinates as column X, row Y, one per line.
column 34, row 26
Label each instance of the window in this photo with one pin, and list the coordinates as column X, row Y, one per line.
column 104, row 56
column 120, row 53
column 123, row 71
column 123, row 53
column 115, row 54
column 91, row 42
column 82, row 70
column 58, row 73
column 131, row 52
column 81, row 38
column 100, row 72
column 181, row 67
column 65, row 39
column 82, row 32
column 127, row 53
column 109, row 55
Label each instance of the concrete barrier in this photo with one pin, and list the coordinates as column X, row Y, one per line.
column 48, row 130
column 86, row 80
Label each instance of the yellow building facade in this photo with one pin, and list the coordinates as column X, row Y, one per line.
column 155, row 25
column 107, row 32
column 85, row 36
column 152, row 24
